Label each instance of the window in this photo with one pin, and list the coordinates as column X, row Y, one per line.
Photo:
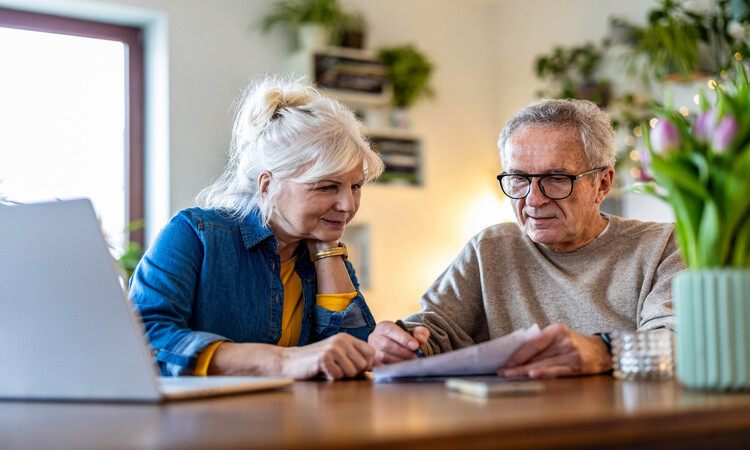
column 71, row 115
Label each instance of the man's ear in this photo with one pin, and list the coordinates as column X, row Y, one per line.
column 264, row 181
column 605, row 184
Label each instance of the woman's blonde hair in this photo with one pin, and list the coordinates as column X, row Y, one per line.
column 286, row 127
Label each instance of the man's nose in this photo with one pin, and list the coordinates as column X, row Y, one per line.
column 536, row 197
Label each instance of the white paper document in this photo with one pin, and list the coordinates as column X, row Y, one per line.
column 480, row 359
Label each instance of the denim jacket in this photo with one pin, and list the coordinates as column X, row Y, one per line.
column 210, row 277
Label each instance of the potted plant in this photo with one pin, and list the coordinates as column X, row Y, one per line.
column 408, row 71
column 701, row 170
column 668, row 46
column 311, row 21
column 352, row 31
column 571, row 72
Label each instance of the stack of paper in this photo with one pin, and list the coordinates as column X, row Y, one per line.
column 480, row 359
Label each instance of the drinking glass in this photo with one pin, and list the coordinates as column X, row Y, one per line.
column 643, row 354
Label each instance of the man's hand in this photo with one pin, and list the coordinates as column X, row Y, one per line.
column 558, row 352
column 392, row 344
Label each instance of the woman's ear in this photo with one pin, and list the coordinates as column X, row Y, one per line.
column 264, row 181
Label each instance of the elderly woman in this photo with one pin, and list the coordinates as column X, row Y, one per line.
column 255, row 281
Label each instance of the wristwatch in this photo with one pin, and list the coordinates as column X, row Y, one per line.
column 607, row 340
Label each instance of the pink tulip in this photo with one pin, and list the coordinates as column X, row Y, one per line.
column 705, row 125
column 665, row 138
column 724, row 134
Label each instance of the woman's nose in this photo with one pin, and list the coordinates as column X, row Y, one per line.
column 345, row 201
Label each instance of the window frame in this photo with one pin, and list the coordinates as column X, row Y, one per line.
column 132, row 38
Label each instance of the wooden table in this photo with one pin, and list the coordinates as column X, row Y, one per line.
column 576, row 413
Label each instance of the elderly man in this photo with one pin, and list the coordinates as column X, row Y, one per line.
column 575, row 271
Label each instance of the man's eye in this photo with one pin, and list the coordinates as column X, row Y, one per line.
column 329, row 187
column 356, row 186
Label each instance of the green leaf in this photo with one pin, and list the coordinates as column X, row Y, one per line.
column 741, row 245
column 644, row 188
column 680, row 173
column 709, row 254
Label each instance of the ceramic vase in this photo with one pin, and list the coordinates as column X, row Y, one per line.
column 312, row 36
column 713, row 328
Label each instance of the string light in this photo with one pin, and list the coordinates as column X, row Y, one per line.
column 653, row 122
column 635, row 172
column 637, row 131
column 738, row 56
column 697, row 99
column 684, row 111
column 634, row 155
column 712, row 84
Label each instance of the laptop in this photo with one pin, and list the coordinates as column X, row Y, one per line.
column 67, row 332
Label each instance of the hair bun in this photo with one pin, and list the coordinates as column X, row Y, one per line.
column 267, row 99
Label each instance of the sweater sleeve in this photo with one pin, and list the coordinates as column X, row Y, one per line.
column 452, row 308
column 657, row 309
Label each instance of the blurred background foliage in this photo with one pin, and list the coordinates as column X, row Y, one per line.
column 630, row 70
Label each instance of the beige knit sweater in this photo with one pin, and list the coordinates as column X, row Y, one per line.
column 502, row 281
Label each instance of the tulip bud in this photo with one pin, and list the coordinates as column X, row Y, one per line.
column 705, row 125
column 665, row 138
column 724, row 135
column 645, row 157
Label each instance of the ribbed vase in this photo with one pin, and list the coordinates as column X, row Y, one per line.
column 713, row 328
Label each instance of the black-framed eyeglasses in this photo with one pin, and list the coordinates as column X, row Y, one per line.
column 554, row 186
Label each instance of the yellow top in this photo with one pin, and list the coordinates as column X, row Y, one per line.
column 201, row 367
column 291, row 317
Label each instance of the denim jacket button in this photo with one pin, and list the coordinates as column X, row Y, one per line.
column 154, row 352
column 308, row 281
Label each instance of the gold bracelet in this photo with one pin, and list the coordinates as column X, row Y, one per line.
column 335, row 251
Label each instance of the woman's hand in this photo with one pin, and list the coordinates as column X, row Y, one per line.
column 339, row 356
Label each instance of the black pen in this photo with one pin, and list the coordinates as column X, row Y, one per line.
column 419, row 351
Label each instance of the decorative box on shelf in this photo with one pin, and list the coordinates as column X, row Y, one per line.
column 354, row 77
column 402, row 154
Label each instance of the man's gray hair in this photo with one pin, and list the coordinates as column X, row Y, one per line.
column 592, row 124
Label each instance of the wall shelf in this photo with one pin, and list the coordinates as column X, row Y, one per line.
column 354, row 77
column 357, row 79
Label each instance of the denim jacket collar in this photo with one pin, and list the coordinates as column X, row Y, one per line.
column 253, row 230
column 253, row 233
